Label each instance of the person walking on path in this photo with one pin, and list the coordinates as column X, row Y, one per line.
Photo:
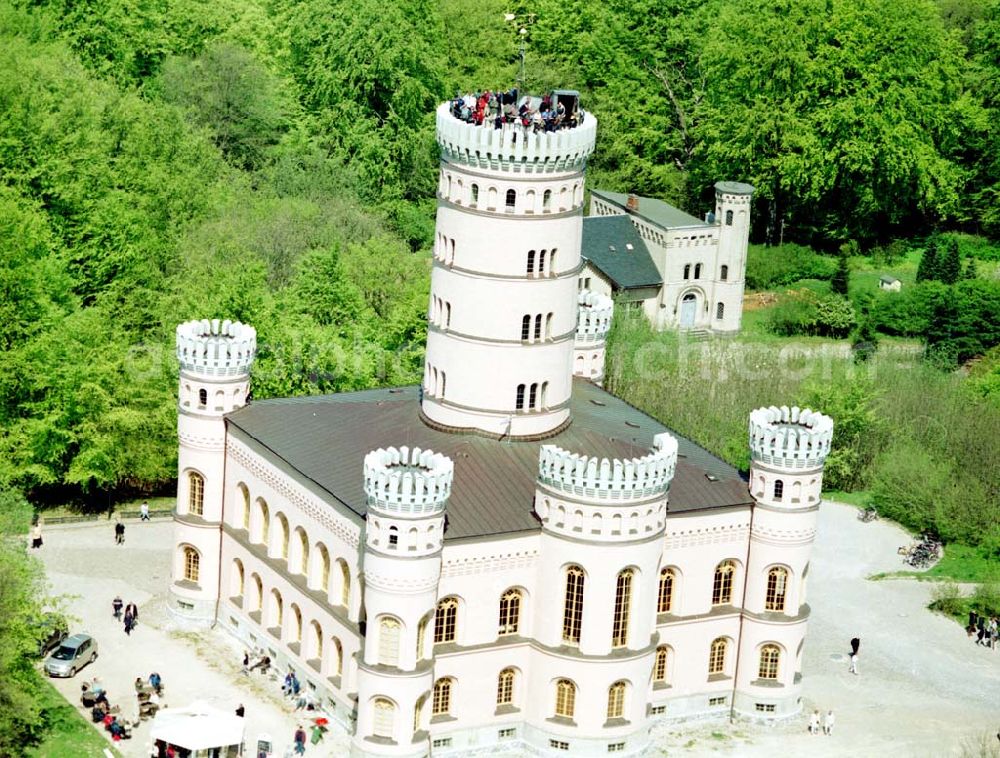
column 240, row 710
column 300, row 740
column 128, row 623
column 116, row 607
column 144, row 511
column 853, row 668
column 119, row 532
column 36, row 535
column 814, row 722
column 828, row 723
column 855, row 645
column 132, row 611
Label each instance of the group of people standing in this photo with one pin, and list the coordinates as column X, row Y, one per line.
column 985, row 630
column 131, row 618
column 821, row 723
column 499, row 108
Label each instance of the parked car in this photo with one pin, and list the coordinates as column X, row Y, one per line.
column 72, row 655
column 51, row 631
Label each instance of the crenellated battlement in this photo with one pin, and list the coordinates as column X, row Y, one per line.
column 215, row 347
column 408, row 481
column 593, row 317
column 511, row 149
column 792, row 437
column 610, row 478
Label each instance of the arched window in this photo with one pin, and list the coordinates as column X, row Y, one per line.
column 393, row 536
column 388, row 641
column 541, row 262
column 323, row 580
column 660, row 665
column 779, row 489
column 724, row 273
column 722, row 585
column 446, row 620
column 565, row 698
column 777, row 583
column 519, row 398
column 717, row 656
column 729, row 218
column 531, row 261
column 769, row 656
column 296, row 630
column 237, row 580
column 573, row 605
column 533, row 395
column 418, row 709
column 475, row 195
column 421, row 637
column 720, row 310
column 526, row 327
column 281, row 539
column 245, row 503
column 303, row 552
column 547, row 201
column 623, row 608
column 616, row 700
column 538, row 326
column 338, row 657
column 529, row 201
column 510, row 612
column 510, row 201
column 552, row 263
column 687, row 270
column 202, row 397
column 665, row 597
column 441, row 702
column 345, row 585
column 220, row 400
column 697, row 271
column 491, row 199
column 196, row 493
column 562, row 199
column 505, row 687
column 192, row 564
column 548, row 326
column 258, row 593
column 315, row 651
column 277, row 610
column 383, row 718
column 542, row 403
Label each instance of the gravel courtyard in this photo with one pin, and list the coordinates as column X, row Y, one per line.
column 922, row 689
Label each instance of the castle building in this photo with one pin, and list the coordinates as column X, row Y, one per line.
column 507, row 555
column 683, row 273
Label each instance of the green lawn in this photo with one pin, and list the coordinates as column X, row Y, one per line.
column 69, row 733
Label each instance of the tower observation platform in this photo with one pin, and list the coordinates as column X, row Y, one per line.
column 503, row 311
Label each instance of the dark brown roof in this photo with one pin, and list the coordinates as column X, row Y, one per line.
column 326, row 437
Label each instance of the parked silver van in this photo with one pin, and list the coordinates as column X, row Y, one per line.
column 72, row 655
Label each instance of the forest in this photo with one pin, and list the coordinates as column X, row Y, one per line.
column 162, row 160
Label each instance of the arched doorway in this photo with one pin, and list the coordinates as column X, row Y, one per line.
column 689, row 308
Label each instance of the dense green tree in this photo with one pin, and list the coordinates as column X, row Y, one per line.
column 929, row 267
column 950, row 268
column 842, row 277
column 841, row 113
column 970, row 271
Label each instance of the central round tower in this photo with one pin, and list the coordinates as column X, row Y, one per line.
column 503, row 309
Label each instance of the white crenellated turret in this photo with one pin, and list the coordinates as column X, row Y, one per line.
column 790, row 437
column 400, row 480
column 788, row 447
column 407, row 492
column 215, row 358
column 610, row 478
column 216, row 348
column 593, row 324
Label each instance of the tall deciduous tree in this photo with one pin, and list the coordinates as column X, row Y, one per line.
column 842, row 113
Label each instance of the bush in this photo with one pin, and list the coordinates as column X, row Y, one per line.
column 986, row 599
column 785, row 264
column 947, row 597
column 803, row 311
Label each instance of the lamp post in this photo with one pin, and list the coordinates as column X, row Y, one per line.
column 523, row 22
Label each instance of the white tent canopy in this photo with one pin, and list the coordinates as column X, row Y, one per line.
column 197, row 727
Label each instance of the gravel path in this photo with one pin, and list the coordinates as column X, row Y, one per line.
column 922, row 690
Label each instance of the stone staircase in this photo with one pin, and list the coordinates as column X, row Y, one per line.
column 696, row 335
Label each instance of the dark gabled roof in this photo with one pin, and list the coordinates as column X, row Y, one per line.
column 325, row 438
column 653, row 210
column 606, row 241
column 888, row 279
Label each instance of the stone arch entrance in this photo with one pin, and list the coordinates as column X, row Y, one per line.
column 689, row 309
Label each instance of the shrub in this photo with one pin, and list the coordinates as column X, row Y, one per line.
column 986, row 599
column 947, row 597
column 785, row 264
